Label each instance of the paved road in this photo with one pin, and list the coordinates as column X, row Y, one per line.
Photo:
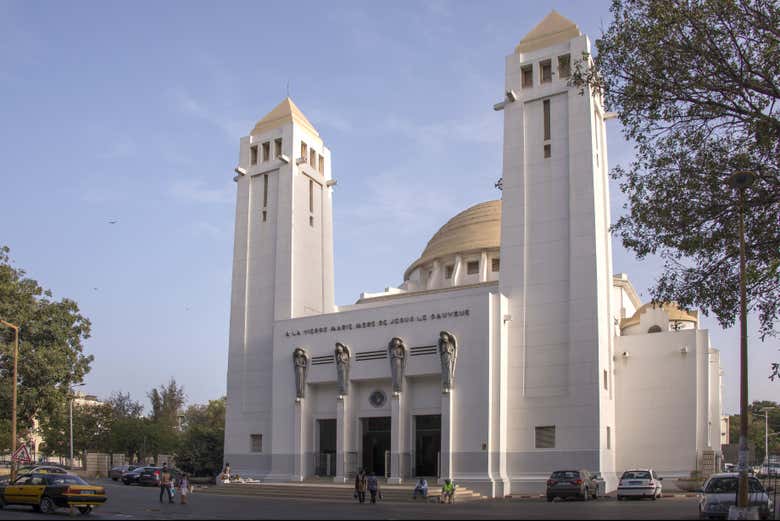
column 142, row 503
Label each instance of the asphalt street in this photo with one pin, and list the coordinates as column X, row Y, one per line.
column 143, row 503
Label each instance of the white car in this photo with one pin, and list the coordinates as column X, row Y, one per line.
column 720, row 492
column 639, row 483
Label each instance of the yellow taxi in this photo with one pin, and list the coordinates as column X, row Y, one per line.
column 47, row 492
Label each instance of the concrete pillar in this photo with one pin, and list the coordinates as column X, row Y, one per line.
column 398, row 450
column 299, row 460
column 344, row 438
column 445, row 459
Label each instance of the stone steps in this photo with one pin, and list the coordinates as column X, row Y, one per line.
column 327, row 492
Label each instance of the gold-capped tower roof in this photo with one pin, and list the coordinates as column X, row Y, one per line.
column 673, row 311
column 553, row 29
column 285, row 112
column 475, row 229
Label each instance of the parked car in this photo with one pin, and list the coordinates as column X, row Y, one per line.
column 117, row 472
column 571, row 483
column 147, row 476
column 132, row 477
column 46, row 492
column 770, row 470
column 640, row 483
column 720, row 492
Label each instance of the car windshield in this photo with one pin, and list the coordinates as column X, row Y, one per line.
column 65, row 479
column 636, row 474
column 566, row 474
column 729, row 486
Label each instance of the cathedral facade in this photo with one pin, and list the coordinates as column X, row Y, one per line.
column 510, row 349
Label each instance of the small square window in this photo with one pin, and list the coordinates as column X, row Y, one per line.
column 564, row 66
column 495, row 265
column 256, row 443
column 545, row 437
column 528, row 76
column 266, row 151
column 545, row 71
column 472, row 267
column 253, row 151
column 448, row 270
column 547, row 151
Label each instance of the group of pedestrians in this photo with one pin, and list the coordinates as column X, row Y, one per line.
column 368, row 483
column 169, row 486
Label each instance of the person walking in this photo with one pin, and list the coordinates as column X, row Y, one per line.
column 184, row 488
column 373, row 487
column 166, row 484
column 360, row 486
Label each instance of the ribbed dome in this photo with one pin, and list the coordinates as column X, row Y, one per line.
column 674, row 312
column 477, row 228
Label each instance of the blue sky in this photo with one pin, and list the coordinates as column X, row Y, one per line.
column 133, row 111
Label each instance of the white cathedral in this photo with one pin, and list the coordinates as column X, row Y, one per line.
column 510, row 349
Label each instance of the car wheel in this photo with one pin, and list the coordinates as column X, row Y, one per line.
column 46, row 506
column 115, row 479
column 85, row 510
column 620, row 498
column 550, row 499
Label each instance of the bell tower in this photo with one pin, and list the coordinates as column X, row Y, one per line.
column 556, row 267
column 282, row 265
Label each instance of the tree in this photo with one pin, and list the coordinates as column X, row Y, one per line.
column 757, row 428
column 51, row 350
column 696, row 86
column 162, row 430
column 201, row 448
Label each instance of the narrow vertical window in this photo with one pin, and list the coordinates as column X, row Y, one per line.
column 266, row 150
column 265, row 190
column 254, row 155
column 304, row 151
column 313, row 158
column 495, row 265
column 528, row 76
column 605, row 380
column 277, row 148
column 322, row 165
column 311, row 196
column 546, row 106
column 545, row 71
column 609, row 438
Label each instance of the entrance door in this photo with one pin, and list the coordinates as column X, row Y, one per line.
column 326, row 456
column 427, row 445
column 376, row 442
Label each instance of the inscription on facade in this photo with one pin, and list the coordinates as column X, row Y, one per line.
column 405, row 319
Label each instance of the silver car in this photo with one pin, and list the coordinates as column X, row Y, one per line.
column 720, row 492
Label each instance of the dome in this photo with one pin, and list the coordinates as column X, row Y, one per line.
column 477, row 228
column 672, row 310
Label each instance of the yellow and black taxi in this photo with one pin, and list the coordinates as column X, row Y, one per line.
column 46, row 492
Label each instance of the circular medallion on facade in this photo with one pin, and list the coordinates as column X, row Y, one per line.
column 377, row 398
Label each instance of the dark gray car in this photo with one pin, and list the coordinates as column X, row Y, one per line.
column 571, row 483
column 116, row 473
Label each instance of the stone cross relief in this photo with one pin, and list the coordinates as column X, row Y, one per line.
column 301, row 366
column 343, row 361
column 396, row 350
column 448, row 352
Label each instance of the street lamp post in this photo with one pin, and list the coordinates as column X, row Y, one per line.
column 70, row 416
column 766, row 410
column 13, row 394
column 740, row 181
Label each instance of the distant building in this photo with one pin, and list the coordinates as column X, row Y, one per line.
column 510, row 349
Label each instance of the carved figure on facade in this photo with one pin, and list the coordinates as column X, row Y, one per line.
column 301, row 362
column 448, row 352
column 343, row 361
column 396, row 350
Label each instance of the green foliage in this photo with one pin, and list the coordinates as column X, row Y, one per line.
column 200, row 451
column 696, row 86
column 756, row 428
column 51, row 351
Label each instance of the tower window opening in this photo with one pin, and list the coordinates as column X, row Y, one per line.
column 564, row 66
column 472, row 267
column 609, row 437
column 265, row 215
column 311, row 221
column 655, row 329
column 547, row 151
column 448, row 270
column 545, row 437
column 606, row 386
column 311, row 196
column 495, row 265
column 528, row 76
column 321, row 167
column 545, row 71
column 256, row 443
column 277, row 148
column 265, row 191
column 313, row 158
column 304, row 151
column 253, row 152
column 266, row 151
column 546, row 108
